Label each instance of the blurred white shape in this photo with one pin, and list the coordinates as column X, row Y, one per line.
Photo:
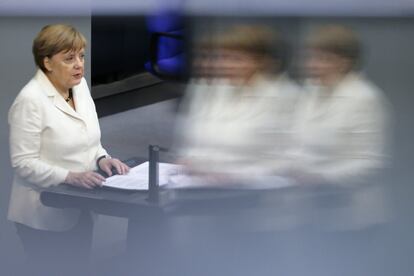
column 254, row 182
column 238, row 130
column 342, row 134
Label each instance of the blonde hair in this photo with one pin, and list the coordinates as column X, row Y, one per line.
column 338, row 40
column 258, row 40
column 252, row 39
column 53, row 39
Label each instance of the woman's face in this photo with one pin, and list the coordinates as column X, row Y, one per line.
column 325, row 67
column 66, row 68
column 234, row 65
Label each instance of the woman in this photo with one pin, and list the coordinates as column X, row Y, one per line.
column 341, row 131
column 239, row 108
column 343, row 118
column 54, row 139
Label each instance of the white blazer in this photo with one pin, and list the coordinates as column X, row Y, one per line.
column 343, row 134
column 47, row 140
column 238, row 130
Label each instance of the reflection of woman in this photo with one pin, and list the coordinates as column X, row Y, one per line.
column 341, row 133
column 343, row 118
column 55, row 138
column 239, row 110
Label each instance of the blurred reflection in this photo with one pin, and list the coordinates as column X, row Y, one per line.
column 247, row 124
column 240, row 107
column 341, row 130
column 343, row 119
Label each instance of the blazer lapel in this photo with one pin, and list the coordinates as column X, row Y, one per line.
column 60, row 103
column 51, row 92
column 79, row 99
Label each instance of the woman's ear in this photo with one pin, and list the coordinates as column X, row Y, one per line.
column 46, row 63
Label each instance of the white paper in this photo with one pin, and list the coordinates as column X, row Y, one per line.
column 174, row 175
column 137, row 178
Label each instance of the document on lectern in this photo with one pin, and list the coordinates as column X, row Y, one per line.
column 137, row 178
column 174, row 176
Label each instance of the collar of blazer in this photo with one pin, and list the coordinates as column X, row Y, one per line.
column 58, row 101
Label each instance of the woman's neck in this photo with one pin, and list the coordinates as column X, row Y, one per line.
column 64, row 92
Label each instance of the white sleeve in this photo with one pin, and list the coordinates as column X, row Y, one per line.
column 25, row 121
column 366, row 149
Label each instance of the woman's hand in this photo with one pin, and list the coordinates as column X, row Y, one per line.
column 106, row 164
column 88, row 180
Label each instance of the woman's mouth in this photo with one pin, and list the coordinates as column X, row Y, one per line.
column 77, row 76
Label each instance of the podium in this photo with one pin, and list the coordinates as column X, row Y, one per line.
column 226, row 223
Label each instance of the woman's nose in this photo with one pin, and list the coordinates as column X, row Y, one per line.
column 79, row 62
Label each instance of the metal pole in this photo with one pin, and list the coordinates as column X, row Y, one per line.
column 153, row 172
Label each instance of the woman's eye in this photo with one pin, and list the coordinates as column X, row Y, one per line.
column 69, row 59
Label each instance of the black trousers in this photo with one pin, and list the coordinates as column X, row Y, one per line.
column 57, row 253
